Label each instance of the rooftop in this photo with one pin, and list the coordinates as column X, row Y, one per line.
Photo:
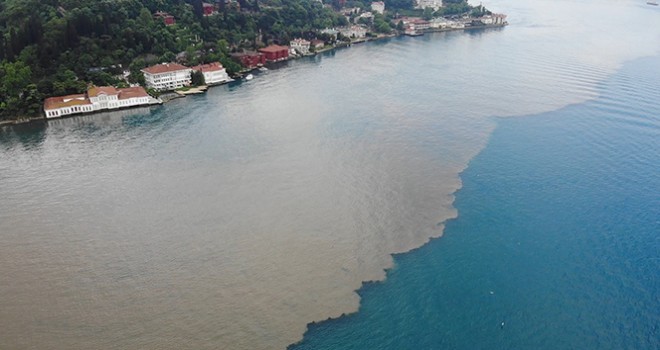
column 164, row 68
column 274, row 48
column 97, row 90
column 210, row 67
column 130, row 92
column 66, row 101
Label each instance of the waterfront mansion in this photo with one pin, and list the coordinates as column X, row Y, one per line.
column 167, row 76
column 214, row 73
column 97, row 98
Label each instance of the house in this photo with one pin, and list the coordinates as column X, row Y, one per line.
column 353, row 31
column 457, row 25
column 420, row 24
column 317, row 44
column 300, row 45
column 275, row 53
column 250, row 59
column 208, row 9
column 214, row 73
column 366, row 15
column 348, row 11
column 499, row 18
column 66, row 105
column 167, row 76
column 434, row 4
column 97, row 98
column 378, row 7
column 415, row 23
column 134, row 96
column 103, row 97
column 331, row 32
column 166, row 17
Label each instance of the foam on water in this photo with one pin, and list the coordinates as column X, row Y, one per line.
column 233, row 219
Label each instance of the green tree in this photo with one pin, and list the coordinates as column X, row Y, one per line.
column 428, row 13
column 198, row 78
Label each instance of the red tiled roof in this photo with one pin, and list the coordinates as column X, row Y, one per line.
column 97, row 90
column 164, row 68
column 66, row 101
column 210, row 67
column 137, row 91
column 274, row 48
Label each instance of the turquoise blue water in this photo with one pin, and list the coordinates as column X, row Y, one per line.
column 557, row 237
column 233, row 219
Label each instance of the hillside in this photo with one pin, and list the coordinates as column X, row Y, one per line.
column 58, row 47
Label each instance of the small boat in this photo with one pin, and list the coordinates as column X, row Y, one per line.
column 249, row 77
column 263, row 69
column 652, row 3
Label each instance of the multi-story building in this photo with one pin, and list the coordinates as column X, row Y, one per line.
column 378, row 6
column 103, row 97
column 332, row 32
column 317, row 44
column 249, row 59
column 275, row 53
column 353, row 31
column 214, row 73
column 167, row 76
column 300, row 45
column 434, row 4
column 96, row 99
column 499, row 18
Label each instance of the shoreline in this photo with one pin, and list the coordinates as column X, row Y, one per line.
column 172, row 95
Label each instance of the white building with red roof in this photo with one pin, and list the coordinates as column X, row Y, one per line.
column 167, row 76
column 300, row 45
column 214, row 73
column 64, row 105
column 103, row 97
column 97, row 98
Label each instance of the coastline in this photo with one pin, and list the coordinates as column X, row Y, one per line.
column 171, row 95
column 385, row 109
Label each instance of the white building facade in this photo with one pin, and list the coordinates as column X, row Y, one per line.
column 378, row 6
column 55, row 107
column 167, row 76
column 96, row 99
column 353, row 31
column 300, row 45
column 105, row 97
column 434, row 4
column 214, row 73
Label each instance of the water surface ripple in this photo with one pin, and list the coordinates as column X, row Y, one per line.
column 233, row 219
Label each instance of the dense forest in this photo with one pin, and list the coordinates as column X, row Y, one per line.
column 57, row 47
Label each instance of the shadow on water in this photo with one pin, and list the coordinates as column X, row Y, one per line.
column 35, row 133
column 93, row 122
column 28, row 135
